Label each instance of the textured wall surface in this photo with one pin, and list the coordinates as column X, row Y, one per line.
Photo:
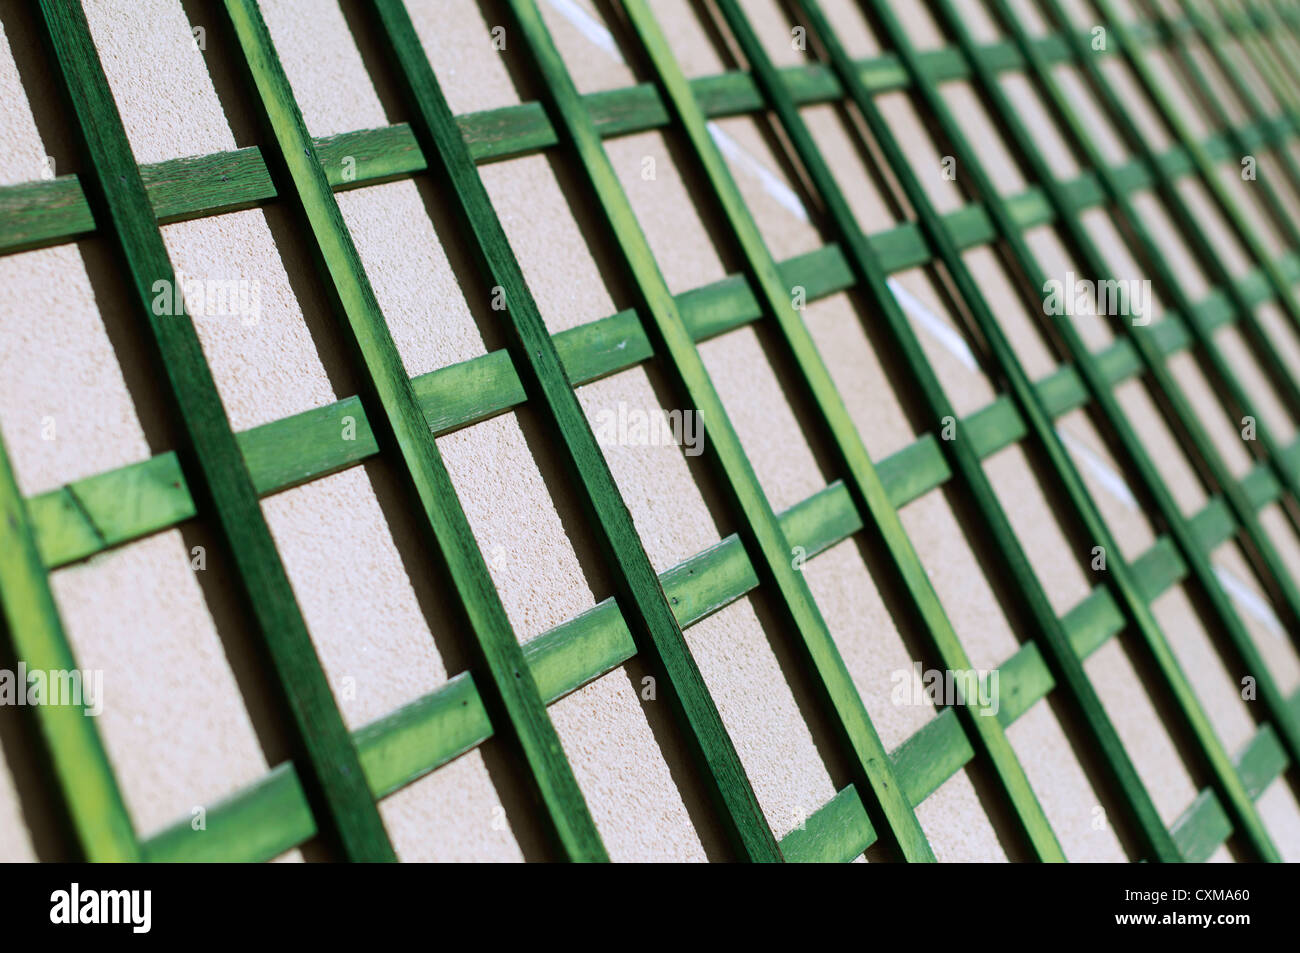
column 185, row 719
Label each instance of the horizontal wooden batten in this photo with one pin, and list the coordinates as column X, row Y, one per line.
column 270, row 816
column 41, row 213
column 80, row 519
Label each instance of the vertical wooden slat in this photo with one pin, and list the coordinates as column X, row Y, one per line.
column 509, row 692
column 1134, row 52
column 1066, row 666
column 760, row 531
column 214, row 468
column 1272, row 449
column 87, row 791
column 1080, row 242
column 1117, row 574
column 650, row 617
column 879, row 515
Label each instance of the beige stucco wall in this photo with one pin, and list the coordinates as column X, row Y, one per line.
column 184, row 722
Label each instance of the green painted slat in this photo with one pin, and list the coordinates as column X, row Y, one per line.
column 1200, row 831
column 511, row 695
column 117, row 506
column 185, row 203
column 1282, row 31
column 408, row 743
column 1023, row 680
column 40, row 213
column 838, row 832
column 1158, row 568
column 914, row 471
column 1248, row 144
column 1204, row 825
column 1040, row 427
column 933, row 755
column 85, row 789
column 869, row 494
column 1262, row 762
column 430, row 731
column 1273, row 569
column 1212, row 37
column 96, row 513
column 93, row 514
column 1204, row 165
column 761, row 531
column 1261, row 486
column 1094, row 378
column 257, row 824
column 36, row 214
column 1095, row 619
column 210, row 457
column 940, row 749
column 196, row 186
column 1133, row 449
column 1271, row 63
column 965, row 461
column 822, row 520
column 1213, row 525
column 1273, row 275
column 597, row 641
column 1274, row 574
column 654, row 628
column 994, row 427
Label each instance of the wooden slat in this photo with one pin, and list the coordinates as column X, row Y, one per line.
column 654, row 628
column 1204, row 826
column 1246, row 95
column 86, row 791
column 431, row 731
column 870, row 497
column 1133, row 450
column 40, row 213
column 1039, row 424
column 761, row 531
column 509, row 692
column 97, row 512
column 210, row 457
column 273, row 815
column 1204, row 166
column 962, row 451
column 839, row 831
